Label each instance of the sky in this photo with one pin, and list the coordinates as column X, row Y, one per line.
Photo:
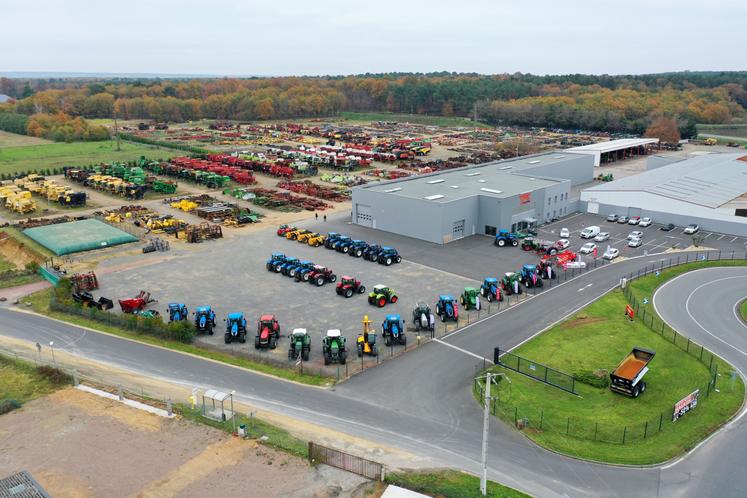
column 235, row 37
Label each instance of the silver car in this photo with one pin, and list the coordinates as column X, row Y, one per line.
column 635, row 242
column 602, row 237
column 635, row 234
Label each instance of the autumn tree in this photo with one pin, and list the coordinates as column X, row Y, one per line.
column 665, row 129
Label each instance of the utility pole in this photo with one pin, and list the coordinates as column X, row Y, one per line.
column 485, row 424
column 474, row 110
column 116, row 130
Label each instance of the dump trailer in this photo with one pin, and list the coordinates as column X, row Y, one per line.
column 627, row 378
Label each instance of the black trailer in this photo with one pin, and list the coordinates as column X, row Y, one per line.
column 627, row 378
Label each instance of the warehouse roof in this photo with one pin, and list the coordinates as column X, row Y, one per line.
column 500, row 179
column 711, row 180
column 613, row 145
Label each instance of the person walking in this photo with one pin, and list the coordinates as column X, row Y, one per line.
column 325, row 217
column 316, row 215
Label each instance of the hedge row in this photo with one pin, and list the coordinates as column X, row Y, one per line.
column 14, row 122
column 187, row 148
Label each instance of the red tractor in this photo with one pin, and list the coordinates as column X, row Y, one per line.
column 562, row 258
column 283, row 229
column 137, row 303
column 320, row 275
column 268, row 332
column 349, row 286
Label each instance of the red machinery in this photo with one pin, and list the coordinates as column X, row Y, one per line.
column 137, row 303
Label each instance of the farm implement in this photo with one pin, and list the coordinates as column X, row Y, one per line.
column 366, row 341
column 86, row 299
column 285, row 201
column 311, row 189
column 137, row 303
column 627, row 378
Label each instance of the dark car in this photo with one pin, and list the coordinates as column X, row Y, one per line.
column 667, row 228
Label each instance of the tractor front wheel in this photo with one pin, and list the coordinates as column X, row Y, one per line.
column 388, row 262
column 333, row 278
column 361, row 289
column 501, row 243
column 382, row 302
column 393, row 299
column 489, row 296
column 398, row 259
column 514, row 243
column 358, row 253
column 319, row 281
column 388, row 341
column 290, row 354
column 256, row 343
column 227, row 338
column 242, row 338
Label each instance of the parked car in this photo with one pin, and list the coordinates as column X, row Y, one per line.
column 635, row 242
column 691, row 229
column 563, row 243
column 634, row 220
column 611, row 253
column 623, row 219
column 602, row 237
column 588, row 248
column 590, row 232
column 565, row 233
column 612, row 218
column 667, row 228
column 575, row 265
column 645, row 222
column 635, row 234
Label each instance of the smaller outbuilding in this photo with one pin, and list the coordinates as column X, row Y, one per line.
column 78, row 236
column 616, row 150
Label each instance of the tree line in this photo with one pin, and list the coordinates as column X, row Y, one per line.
column 592, row 102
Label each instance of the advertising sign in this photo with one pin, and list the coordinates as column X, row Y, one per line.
column 525, row 198
column 685, row 404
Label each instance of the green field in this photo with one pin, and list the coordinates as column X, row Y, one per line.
column 14, row 140
column 411, row 118
column 450, row 484
column 743, row 310
column 56, row 155
column 725, row 130
column 22, row 382
column 598, row 420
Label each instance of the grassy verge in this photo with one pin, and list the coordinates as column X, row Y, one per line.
column 20, row 280
column 8, row 139
column 22, row 381
column 39, row 250
column 411, row 118
column 40, row 303
column 56, row 155
column 275, row 437
column 450, row 484
column 743, row 310
column 595, row 424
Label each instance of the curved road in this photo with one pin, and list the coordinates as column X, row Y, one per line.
column 422, row 401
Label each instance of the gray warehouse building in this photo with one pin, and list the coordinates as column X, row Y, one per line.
column 481, row 199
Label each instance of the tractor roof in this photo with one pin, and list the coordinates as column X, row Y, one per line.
column 200, row 309
column 510, row 274
column 278, row 255
column 530, row 267
column 175, row 305
column 319, row 267
column 306, row 262
column 332, row 234
column 491, row 280
column 333, row 333
column 421, row 304
column 299, row 331
column 446, row 297
column 235, row 316
column 266, row 318
column 359, row 241
column 291, row 259
column 347, row 277
column 387, row 248
column 470, row 289
column 379, row 287
column 393, row 318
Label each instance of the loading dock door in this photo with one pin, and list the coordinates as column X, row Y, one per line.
column 363, row 215
column 592, row 207
column 457, row 230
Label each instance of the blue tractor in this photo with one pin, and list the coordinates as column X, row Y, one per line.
column 393, row 330
column 530, row 276
column 177, row 312
column 342, row 244
column 204, row 319
column 290, row 262
column 235, row 328
column 372, row 252
column 303, row 270
column 276, row 262
column 388, row 255
column 298, row 267
column 446, row 308
column 491, row 290
column 357, row 248
column 331, row 239
column 505, row 238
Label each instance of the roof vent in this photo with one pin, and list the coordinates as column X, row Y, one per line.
column 474, row 173
column 396, row 189
column 433, row 197
column 558, row 157
column 481, row 181
column 536, row 161
column 454, row 186
column 505, row 167
column 436, row 181
column 492, row 191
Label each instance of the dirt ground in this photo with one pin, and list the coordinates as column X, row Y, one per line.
column 16, row 252
column 79, row 445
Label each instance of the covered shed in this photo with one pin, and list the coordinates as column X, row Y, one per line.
column 616, row 150
column 78, row 236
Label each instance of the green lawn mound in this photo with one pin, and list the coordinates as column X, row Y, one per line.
column 605, row 426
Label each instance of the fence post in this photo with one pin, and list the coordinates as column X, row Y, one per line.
column 701, row 353
column 645, row 430
column 573, row 385
column 661, row 420
column 625, row 431
column 596, row 428
column 542, row 418
column 710, row 365
column 75, row 378
column 516, row 415
column 311, row 452
column 688, row 344
column 567, row 425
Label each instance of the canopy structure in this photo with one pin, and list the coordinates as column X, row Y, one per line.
column 615, row 150
column 78, row 236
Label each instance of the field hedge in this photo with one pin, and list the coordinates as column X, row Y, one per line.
column 14, row 122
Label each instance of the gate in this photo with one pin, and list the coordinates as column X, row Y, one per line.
column 363, row 215
column 457, row 231
column 345, row 461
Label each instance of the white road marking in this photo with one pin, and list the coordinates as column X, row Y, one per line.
column 721, row 237
column 709, row 234
column 584, row 287
column 462, row 350
column 732, row 240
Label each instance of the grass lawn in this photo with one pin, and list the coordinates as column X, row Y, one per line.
column 23, row 382
column 597, row 338
column 743, row 310
column 449, row 484
column 56, row 155
column 736, row 130
column 8, row 139
column 40, row 303
column 411, row 118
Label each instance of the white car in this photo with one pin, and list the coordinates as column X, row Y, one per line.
column 635, row 242
column 645, row 222
column 565, row 233
column 602, row 237
column 611, row 253
column 636, row 234
column 575, row 264
column 691, row 229
column 634, row 220
column 587, row 248
column 563, row 243
column 613, row 218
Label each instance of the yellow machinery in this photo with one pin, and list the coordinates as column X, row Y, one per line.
column 20, row 202
column 185, row 205
column 303, row 238
column 317, row 240
column 366, row 343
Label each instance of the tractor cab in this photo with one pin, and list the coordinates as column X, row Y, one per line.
column 446, row 308
column 331, row 239
column 510, row 283
column 177, row 312
column 333, row 347
column 422, row 317
column 530, row 276
column 372, row 252
column 300, row 344
column 205, row 319
column 340, row 242
column 388, row 255
column 268, row 332
column 469, row 298
column 491, row 290
column 235, row 327
column 290, row 262
column 393, row 330
column 357, row 248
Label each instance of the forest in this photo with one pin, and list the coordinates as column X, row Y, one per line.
column 619, row 104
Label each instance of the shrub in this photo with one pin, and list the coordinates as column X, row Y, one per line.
column 8, row 405
column 53, row 375
column 32, row 266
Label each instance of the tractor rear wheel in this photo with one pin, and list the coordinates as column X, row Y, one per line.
column 242, row 338
column 305, row 354
column 388, row 340
column 319, row 281
column 326, row 359
column 227, row 338
column 343, row 358
column 256, row 342
column 358, row 253
column 333, row 278
column 388, row 262
column 403, row 339
column 291, row 354
column 273, row 343
column 346, row 249
column 349, row 292
column 489, row 296
column 305, row 276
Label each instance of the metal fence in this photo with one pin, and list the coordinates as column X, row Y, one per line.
column 535, row 370
column 346, row 461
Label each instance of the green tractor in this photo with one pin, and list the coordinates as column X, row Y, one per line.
column 511, row 283
column 333, row 348
column 300, row 345
column 381, row 295
column 469, row 298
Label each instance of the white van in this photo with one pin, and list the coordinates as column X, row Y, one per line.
column 590, row 232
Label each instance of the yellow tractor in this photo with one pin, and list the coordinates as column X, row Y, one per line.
column 303, row 238
column 366, row 343
column 316, row 239
column 293, row 234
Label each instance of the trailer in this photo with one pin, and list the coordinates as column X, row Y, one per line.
column 627, row 378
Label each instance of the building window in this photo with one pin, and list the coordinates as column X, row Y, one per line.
column 490, row 230
column 548, row 201
column 556, row 199
column 554, row 212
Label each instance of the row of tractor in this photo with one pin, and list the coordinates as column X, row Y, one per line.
column 343, row 244
column 300, row 270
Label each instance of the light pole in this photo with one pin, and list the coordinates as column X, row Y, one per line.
column 51, row 346
column 485, row 424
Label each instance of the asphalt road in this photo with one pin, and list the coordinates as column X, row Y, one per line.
column 422, row 402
